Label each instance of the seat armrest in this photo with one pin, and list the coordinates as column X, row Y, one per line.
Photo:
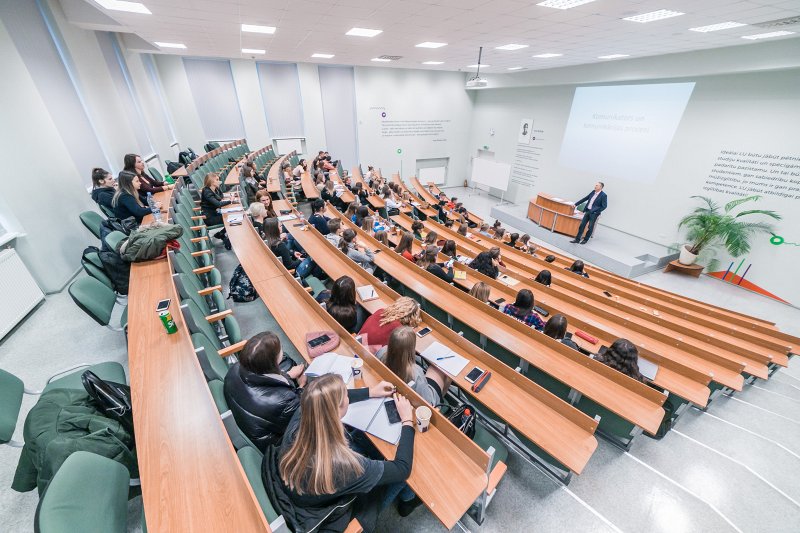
column 232, row 349
column 209, row 290
column 216, row 317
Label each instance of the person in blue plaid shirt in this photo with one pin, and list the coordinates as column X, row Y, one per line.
column 522, row 310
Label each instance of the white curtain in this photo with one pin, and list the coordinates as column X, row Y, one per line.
column 337, row 85
column 214, row 93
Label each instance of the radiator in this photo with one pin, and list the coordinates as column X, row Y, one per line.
column 19, row 293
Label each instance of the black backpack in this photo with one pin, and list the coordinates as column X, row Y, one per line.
column 117, row 269
column 172, row 166
column 241, row 288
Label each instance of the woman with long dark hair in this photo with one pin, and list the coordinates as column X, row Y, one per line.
column 577, row 268
column 522, row 310
column 622, row 356
column 103, row 189
column 342, row 306
column 400, row 357
column 134, row 163
column 211, row 201
column 126, row 202
column 544, row 277
column 404, row 247
column 556, row 328
column 487, row 263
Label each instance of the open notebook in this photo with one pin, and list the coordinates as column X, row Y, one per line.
column 236, row 219
column 370, row 416
column 366, row 293
column 647, row 368
column 331, row 363
column 445, row 358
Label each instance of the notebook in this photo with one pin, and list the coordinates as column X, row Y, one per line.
column 331, row 363
column 453, row 364
column 459, row 274
column 507, row 280
column 236, row 219
column 370, row 416
column 284, row 218
column 463, row 259
column 647, row 368
column 234, row 209
column 367, row 293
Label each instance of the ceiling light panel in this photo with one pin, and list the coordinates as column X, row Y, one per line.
column 428, row 44
column 563, row 4
column 433, row 62
column 511, row 47
column 170, row 45
column 661, row 14
column 476, row 66
column 380, row 60
column 253, row 51
column 515, row 68
column 613, row 56
column 547, row 56
column 253, row 28
column 717, row 27
column 120, row 5
column 322, row 56
column 363, row 32
column 767, row 35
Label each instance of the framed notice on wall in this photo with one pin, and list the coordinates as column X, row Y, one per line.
column 525, row 130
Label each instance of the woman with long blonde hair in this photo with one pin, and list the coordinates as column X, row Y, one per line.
column 403, row 312
column 320, row 481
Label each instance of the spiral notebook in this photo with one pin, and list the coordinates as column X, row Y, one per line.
column 370, row 416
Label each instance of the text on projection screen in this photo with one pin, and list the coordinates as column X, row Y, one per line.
column 623, row 130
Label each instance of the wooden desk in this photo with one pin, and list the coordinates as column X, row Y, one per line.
column 472, row 217
column 631, row 400
column 709, row 345
column 310, row 190
column 180, row 173
column 429, row 212
column 347, row 196
column 274, row 177
column 191, row 477
column 692, row 270
column 556, row 214
column 449, row 471
column 553, row 425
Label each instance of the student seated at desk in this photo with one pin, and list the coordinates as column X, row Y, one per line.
column 431, row 239
column 577, row 268
column 544, row 277
column 299, row 169
column 362, row 212
column 481, row 292
column 258, row 214
column 550, row 258
column 360, row 192
column 103, row 188
column 266, row 200
column 359, row 253
column 556, row 328
column 382, row 237
column 350, row 212
column 463, row 229
column 428, row 262
column 392, row 205
column 134, row 164
column 522, row 310
column 211, row 201
column 487, row 263
column 400, row 357
column 404, row 247
column 512, row 240
column 370, row 174
column 404, row 311
column 499, row 233
column 368, row 225
column 291, row 260
column 329, row 195
column 622, row 356
column 525, row 245
column 317, row 219
column 340, row 302
column 416, row 229
column 250, row 184
column 334, row 231
column 484, row 230
column 126, row 201
column 318, row 481
column 261, row 396
column 449, row 248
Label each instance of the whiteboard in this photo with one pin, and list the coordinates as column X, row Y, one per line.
column 432, row 174
column 491, row 173
column 287, row 145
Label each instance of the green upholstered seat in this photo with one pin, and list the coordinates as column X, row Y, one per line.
column 214, row 366
column 11, row 391
column 91, row 264
column 114, row 238
column 108, row 371
column 92, row 220
column 94, row 298
column 217, row 388
column 89, row 493
column 251, row 460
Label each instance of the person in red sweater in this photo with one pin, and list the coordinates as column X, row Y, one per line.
column 404, row 247
column 404, row 312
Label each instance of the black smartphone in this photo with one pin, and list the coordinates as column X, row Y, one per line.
column 474, row 374
column 376, row 252
column 163, row 305
column 391, row 412
column 285, row 211
column 499, row 301
column 607, row 293
column 318, row 341
column 424, row 331
column 300, row 225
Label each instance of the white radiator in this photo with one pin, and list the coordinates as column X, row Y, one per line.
column 19, row 293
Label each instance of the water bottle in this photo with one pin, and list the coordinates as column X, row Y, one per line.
column 151, row 203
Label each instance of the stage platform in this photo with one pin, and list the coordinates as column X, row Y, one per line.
column 610, row 249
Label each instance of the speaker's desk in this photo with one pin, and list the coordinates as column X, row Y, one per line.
column 554, row 213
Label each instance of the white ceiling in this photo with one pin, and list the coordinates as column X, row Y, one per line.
column 211, row 28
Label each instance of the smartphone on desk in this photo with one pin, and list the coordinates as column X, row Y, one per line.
column 607, row 294
column 474, row 374
column 424, row 331
column 391, row 412
column 163, row 305
column 318, row 341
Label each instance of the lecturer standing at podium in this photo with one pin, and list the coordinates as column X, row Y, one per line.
column 598, row 201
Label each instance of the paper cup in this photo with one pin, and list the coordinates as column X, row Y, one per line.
column 356, row 365
column 424, row 414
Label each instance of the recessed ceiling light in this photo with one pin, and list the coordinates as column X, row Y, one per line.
column 120, row 5
column 253, row 51
column 717, row 27
column 428, row 44
column 767, row 35
column 322, row 56
column 363, row 32
column 563, row 4
column 252, row 28
column 613, row 56
column 511, row 47
column 380, row 59
column 433, row 62
column 654, row 15
column 170, row 45
column 515, row 68
column 476, row 66
column 546, row 56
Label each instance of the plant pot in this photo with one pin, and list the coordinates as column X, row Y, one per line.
column 687, row 257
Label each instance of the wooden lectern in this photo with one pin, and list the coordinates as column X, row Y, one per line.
column 555, row 214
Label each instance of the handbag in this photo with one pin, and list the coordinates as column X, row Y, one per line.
column 112, row 399
column 320, row 344
column 463, row 417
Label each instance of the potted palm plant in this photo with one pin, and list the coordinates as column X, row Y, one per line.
column 708, row 227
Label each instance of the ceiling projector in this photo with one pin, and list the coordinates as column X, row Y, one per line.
column 476, row 82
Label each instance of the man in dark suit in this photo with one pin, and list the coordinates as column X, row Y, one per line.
column 597, row 202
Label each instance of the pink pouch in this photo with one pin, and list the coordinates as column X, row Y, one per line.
column 321, row 345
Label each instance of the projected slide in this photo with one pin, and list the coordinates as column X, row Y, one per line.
column 623, row 130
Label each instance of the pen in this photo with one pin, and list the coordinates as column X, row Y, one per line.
column 445, row 357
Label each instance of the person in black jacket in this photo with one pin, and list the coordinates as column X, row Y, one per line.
column 577, row 268
column 126, row 202
column 428, row 262
column 261, row 397
column 317, row 481
column 487, row 263
column 211, row 200
column 103, row 189
column 317, row 219
column 556, row 328
column 291, row 260
column 544, row 277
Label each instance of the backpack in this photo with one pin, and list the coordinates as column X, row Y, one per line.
column 241, row 288
column 111, row 264
column 172, row 166
column 462, row 417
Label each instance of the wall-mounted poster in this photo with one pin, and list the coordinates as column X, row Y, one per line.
column 525, row 129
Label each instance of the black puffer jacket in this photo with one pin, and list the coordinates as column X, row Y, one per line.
column 103, row 196
column 262, row 405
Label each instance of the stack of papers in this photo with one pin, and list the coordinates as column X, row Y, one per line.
column 370, row 416
column 463, row 259
column 234, row 209
column 445, row 358
column 507, row 280
column 367, row 293
column 284, row 218
column 648, row 368
column 331, row 363
column 236, row 219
